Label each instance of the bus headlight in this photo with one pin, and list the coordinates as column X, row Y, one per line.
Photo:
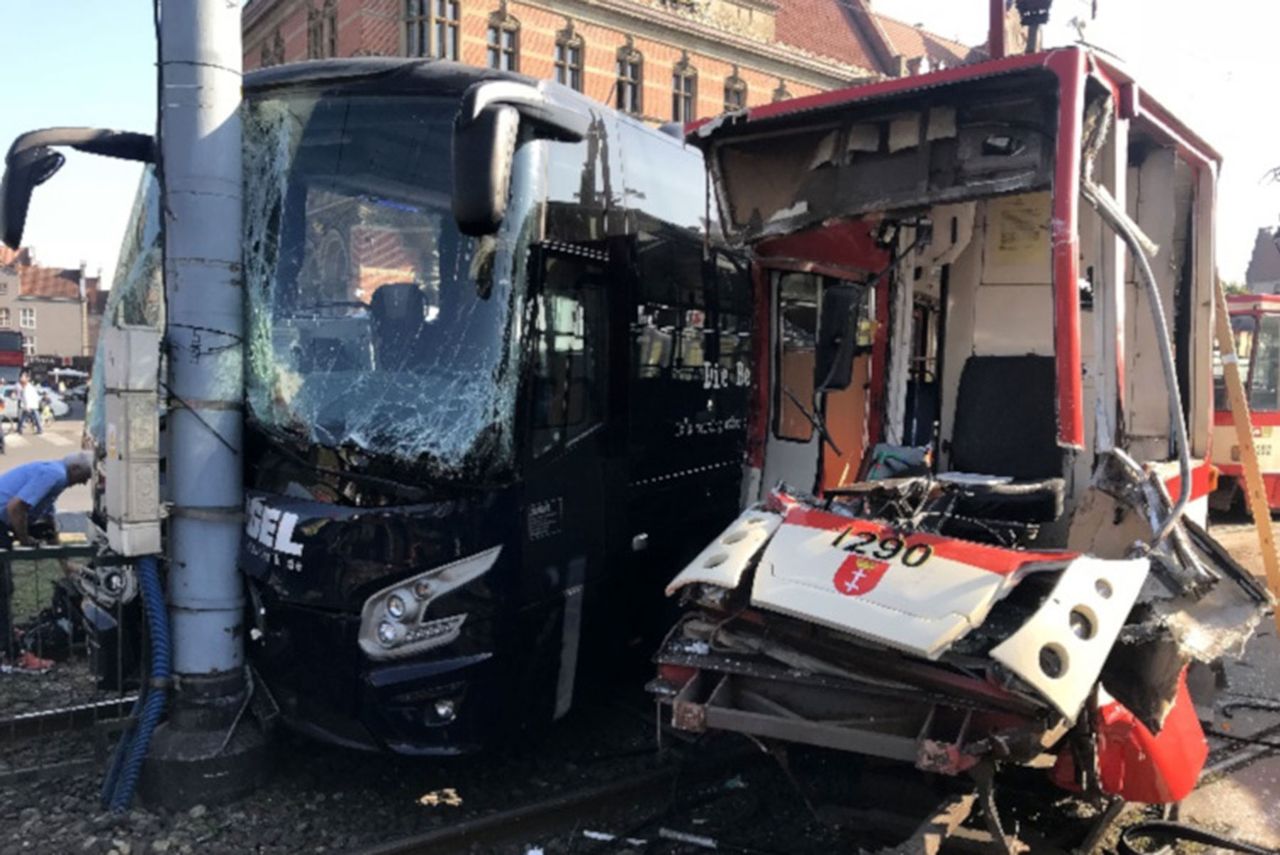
column 393, row 622
column 397, row 607
column 389, row 633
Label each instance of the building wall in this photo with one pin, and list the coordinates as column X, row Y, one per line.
column 58, row 327
column 10, row 283
column 375, row 28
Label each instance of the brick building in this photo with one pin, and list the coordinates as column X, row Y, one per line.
column 663, row 60
column 57, row 310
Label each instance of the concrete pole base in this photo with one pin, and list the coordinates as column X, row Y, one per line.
column 185, row 768
column 211, row 750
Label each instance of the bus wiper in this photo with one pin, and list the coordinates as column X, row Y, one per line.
column 814, row 420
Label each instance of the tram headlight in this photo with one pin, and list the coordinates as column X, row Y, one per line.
column 393, row 622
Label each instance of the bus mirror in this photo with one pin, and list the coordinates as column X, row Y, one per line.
column 483, row 150
column 837, row 337
column 32, row 161
column 24, row 170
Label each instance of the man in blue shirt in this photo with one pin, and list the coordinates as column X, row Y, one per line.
column 27, row 494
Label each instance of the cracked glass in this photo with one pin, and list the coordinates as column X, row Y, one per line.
column 373, row 323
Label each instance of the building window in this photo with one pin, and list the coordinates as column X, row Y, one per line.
column 330, row 22
column 5, row 320
column 781, row 93
column 630, row 85
column 684, row 90
column 569, row 58
column 273, row 50
column 28, row 345
column 431, row 28
column 504, row 40
column 735, row 92
column 315, row 34
column 27, row 318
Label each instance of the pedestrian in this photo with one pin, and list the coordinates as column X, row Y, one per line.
column 27, row 496
column 28, row 403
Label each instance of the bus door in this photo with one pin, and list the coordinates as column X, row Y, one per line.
column 566, row 493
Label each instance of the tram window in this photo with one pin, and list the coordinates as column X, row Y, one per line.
column 568, row 319
column 797, row 319
column 1264, row 380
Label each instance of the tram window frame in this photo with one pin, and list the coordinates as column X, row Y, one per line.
column 789, row 423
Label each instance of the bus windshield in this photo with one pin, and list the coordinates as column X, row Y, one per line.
column 374, row 324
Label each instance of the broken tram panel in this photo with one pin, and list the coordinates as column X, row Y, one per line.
column 978, row 454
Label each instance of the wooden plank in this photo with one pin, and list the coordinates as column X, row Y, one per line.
column 1254, row 488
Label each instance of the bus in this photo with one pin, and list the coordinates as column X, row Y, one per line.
column 1255, row 325
column 12, row 356
column 493, row 396
column 985, row 387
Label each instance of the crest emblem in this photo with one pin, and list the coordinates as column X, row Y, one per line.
column 858, row 575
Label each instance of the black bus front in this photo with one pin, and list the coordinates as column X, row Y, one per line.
column 413, row 587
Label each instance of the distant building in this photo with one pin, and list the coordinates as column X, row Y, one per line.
column 661, row 60
column 1263, row 275
column 57, row 310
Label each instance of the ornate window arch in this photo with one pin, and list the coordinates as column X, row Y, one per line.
column 684, row 90
column 630, row 83
column 432, row 28
column 273, row 50
column 735, row 91
column 571, row 55
column 503, row 40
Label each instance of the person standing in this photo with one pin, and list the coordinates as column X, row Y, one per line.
column 28, row 403
column 27, row 496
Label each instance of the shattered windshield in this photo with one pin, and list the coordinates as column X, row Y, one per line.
column 373, row 322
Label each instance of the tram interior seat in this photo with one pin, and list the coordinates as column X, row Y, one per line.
column 1005, row 460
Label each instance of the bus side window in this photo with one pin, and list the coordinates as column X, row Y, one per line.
column 568, row 336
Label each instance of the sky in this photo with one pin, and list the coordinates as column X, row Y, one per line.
column 79, row 63
column 92, row 62
column 1212, row 64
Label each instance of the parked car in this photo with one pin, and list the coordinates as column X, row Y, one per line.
column 9, row 395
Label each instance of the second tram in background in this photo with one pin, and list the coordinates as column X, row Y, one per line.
column 1255, row 324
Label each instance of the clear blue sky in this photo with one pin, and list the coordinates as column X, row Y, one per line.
column 79, row 62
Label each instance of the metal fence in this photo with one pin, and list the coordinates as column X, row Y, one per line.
column 70, row 636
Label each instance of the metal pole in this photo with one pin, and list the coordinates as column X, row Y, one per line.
column 196, row 756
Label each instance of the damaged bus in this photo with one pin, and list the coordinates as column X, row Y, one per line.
column 979, row 447
column 496, row 386
column 485, row 403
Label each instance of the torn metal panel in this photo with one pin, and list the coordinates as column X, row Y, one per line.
column 1060, row 651
column 731, row 554
column 959, row 143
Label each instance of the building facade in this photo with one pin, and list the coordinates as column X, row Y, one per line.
column 1263, row 274
column 661, row 60
column 57, row 310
